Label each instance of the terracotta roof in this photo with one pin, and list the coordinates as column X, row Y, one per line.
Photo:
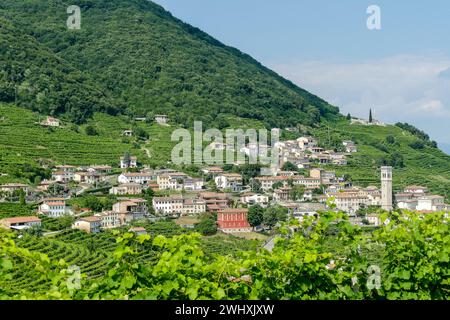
column 91, row 219
column 21, row 219
column 234, row 210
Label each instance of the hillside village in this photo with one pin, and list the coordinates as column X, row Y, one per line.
column 297, row 186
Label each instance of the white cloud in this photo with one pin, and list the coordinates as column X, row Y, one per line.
column 407, row 88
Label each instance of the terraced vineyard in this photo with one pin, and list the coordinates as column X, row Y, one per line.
column 428, row 166
column 72, row 247
column 23, row 140
column 93, row 252
column 9, row 209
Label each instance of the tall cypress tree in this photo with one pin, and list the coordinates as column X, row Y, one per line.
column 370, row 116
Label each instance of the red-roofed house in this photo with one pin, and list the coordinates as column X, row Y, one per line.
column 233, row 220
column 53, row 207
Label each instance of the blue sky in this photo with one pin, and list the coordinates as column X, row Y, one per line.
column 402, row 71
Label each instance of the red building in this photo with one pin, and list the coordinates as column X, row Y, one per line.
column 233, row 220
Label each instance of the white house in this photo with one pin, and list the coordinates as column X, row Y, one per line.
column 135, row 177
column 63, row 176
column 132, row 163
column 232, row 181
column 54, row 207
column 127, row 133
column 50, row 122
column 192, row 184
column 168, row 205
column 350, row 146
column 305, row 143
column 430, row 203
column 251, row 198
column 161, row 119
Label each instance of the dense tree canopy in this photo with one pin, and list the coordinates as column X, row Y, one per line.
column 144, row 62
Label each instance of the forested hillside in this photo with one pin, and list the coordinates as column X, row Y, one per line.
column 146, row 61
column 37, row 79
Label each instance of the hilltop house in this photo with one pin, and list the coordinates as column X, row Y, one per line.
column 300, row 210
column 350, row 146
column 168, row 205
column 161, row 119
column 128, row 162
column 45, row 184
column 351, row 200
column 417, row 198
column 193, row 184
column 127, row 133
column 419, row 190
column 50, row 122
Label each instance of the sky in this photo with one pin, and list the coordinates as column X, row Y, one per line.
column 401, row 71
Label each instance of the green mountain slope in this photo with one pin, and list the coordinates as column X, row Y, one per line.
column 36, row 78
column 151, row 62
column 132, row 58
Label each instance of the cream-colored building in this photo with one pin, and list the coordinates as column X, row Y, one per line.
column 88, row 224
column 126, row 188
column 109, row 219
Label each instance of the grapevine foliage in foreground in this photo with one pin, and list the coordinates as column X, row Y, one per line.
column 414, row 265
